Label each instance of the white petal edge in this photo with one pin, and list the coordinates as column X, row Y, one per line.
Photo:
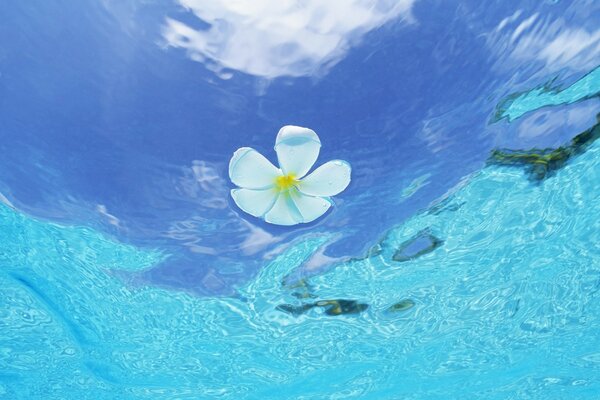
column 297, row 149
column 310, row 207
column 284, row 211
column 254, row 202
column 251, row 170
column 329, row 179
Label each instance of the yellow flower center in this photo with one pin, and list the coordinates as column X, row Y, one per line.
column 284, row 182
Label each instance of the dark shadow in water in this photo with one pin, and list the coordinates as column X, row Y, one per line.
column 100, row 369
column 342, row 307
column 303, row 291
column 331, row 307
column 540, row 164
column 402, row 305
column 57, row 313
column 422, row 243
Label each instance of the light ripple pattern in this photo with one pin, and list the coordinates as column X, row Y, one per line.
column 519, row 104
column 507, row 307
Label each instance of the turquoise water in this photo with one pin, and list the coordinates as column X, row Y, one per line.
column 518, row 105
column 462, row 261
column 505, row 307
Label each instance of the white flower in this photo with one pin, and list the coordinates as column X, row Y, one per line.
column 281, row 196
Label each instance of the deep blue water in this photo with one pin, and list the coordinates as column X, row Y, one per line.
column 127, row 271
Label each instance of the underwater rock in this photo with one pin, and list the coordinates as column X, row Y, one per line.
column 580, row 142
column 342, row 307
column 422, row 243
column 332, row 307
column 402, row 305
column 540, row 164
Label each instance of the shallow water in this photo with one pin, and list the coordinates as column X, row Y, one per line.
column 505, row 307
column 126, row 271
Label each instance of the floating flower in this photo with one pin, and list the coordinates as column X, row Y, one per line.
column 284, row 196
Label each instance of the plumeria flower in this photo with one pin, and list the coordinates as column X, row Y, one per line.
column 285, row 196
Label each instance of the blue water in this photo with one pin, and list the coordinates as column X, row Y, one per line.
column 126, row 271
column 506, row 308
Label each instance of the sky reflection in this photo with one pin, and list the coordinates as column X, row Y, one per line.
column 275, row 38
column 104, row 123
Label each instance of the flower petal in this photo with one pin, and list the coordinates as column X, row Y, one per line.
column 329, row 179
column 297, row 150
column 251, row 170
column 310, row 207
column 284, row 211
column 254, row 202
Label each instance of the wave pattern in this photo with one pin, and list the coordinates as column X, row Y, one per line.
column 504, row 306
column 519, row 104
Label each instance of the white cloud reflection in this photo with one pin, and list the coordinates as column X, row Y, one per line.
column 4, row 200
column 101, row 209
column 553, row 42
column 205, row 185
column 570, row 47
column 256, row 240
column 553, row 122
column 274, row 38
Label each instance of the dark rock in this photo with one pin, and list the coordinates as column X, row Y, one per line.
column 402, row 305
column 420, row 244
column 539, row 164
column 342, row 307
column 332, row 307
